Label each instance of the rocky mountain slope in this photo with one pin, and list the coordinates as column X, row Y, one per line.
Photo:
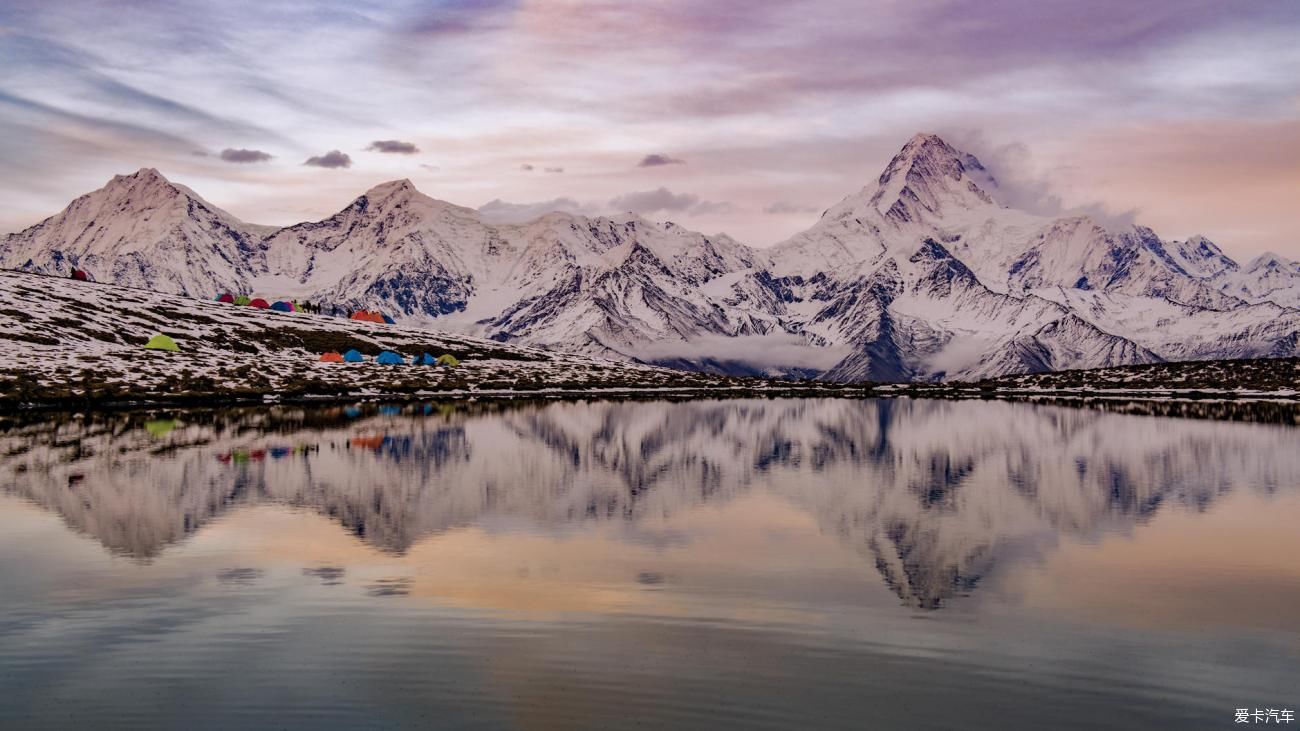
column 65, row 342
column 923, row 274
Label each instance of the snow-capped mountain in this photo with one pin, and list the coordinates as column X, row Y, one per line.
column 1267, row 278
column 142, row 230
column 924, row 273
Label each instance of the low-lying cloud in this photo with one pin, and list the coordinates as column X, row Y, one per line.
column 775, row 352
column 785, row 208
column 331, row 159
column 499, row 211
column 651, row 201
column 663, row 200
column 396, row 147
column 242, row 155
column 1017, row 184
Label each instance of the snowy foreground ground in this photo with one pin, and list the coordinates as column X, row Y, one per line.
column 64, row 342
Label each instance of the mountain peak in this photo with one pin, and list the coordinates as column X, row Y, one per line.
column 393, row 192
column 141, row 177
column 393, row 186
column 1272, row 260
column 929, row 175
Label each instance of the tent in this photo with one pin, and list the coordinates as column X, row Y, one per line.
column 242, row 299
column 80, row 275
column 259, row 303
column 353, row 356
column 228, row 298
column 447, row 359
column 331, row 357
column 388, row 357
column 388, row 320
column 160, row 427
column 425, row 359
column 283, row 306
column 162, row 342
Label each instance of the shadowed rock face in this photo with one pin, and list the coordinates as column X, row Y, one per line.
column 933, row 494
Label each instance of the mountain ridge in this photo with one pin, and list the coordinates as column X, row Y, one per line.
column 925, row 273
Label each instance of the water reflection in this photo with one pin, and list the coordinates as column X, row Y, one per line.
column 933, row 495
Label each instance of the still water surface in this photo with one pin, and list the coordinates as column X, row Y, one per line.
column 722, row 564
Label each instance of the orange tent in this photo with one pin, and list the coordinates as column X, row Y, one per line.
column 331, row 357
column 368, row 442
column 367, row 316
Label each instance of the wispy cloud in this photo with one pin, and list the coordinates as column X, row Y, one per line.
column 394, row 147
column 331, row 159
column 242, row 155
column 656, row 160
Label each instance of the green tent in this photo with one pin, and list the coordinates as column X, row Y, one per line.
column 160, row 427
column 447, row 359
column 242, row 299
column 161, row 342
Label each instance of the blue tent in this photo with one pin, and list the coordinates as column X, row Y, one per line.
column 282, row 307
column 353, row 356
column 425, row 359
column 389, row 320
column 388, row 357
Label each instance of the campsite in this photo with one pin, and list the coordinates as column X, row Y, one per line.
column 82, row 342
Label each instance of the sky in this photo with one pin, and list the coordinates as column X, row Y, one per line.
column 743, row 116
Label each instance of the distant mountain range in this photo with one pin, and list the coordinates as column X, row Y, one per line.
column 923, row 274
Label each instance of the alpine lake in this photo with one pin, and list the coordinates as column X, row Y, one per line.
column 712, row 564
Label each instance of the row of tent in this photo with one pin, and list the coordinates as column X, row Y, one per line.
column 258, row 302
column 389, row 357
column 287, row 306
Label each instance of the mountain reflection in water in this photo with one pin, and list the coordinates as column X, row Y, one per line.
column 933, row 495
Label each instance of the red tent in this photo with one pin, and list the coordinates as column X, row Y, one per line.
column 80, row 275
column 260, row 303
column 228, row 298
column 331, row 357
